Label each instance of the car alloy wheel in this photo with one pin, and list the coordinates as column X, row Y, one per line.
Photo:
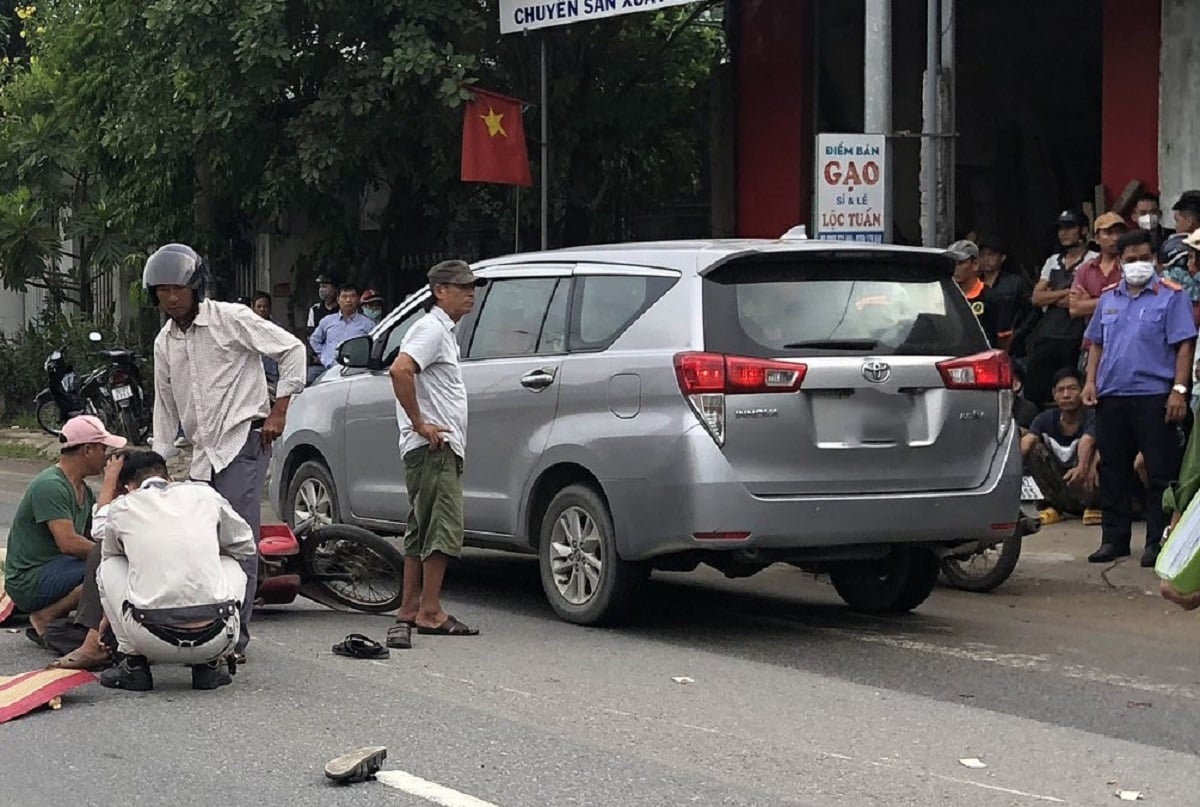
column 576, row 555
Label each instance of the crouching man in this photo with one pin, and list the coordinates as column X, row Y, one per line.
column 170, row 577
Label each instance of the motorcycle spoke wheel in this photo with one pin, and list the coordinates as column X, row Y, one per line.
column 372, row 581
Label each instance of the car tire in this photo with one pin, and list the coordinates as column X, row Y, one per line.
column 585, row 580
column 311, row 491
column 895, row 584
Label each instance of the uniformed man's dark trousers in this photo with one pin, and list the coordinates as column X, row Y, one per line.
column 1126, row 425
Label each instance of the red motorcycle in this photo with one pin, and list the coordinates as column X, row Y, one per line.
column 339, row 566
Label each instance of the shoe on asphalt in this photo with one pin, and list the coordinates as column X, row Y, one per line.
column 1093, row 517
column 1107, row 553
column 210, row 676
column 1150, row 556
column 1049, row 516
column 131, row 673
column 357, row 765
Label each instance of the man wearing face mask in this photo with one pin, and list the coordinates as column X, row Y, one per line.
column 1147, row 215
column 371, row 305
column 1138, row 377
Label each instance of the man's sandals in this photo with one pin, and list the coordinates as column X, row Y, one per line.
column 358, row 646
column 399, row 635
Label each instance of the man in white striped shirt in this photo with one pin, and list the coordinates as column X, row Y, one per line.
column 208, row 377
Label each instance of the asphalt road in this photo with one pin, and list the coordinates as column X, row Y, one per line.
column 1066, row 692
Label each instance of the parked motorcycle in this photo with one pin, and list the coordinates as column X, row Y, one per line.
column 338, row 565
column 981, row 568
column 114, row 392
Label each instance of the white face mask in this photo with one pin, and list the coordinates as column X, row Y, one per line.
column 1138, row 273
column 1147, row 221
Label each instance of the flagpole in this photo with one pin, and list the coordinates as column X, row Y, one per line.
column 545, row 153
column 517, row 221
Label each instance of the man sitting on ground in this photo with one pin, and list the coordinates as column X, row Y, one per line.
column 47, row 547
column 170, row 579
column 1060, row 453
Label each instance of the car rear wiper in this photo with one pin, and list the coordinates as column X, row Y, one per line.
column 835, row 344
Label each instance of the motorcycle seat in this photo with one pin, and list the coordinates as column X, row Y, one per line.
column 276, row 540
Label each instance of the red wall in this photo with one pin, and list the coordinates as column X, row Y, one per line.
column 774, row 116
column 1129, row 105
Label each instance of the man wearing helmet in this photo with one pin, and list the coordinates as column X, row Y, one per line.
column 208, row 377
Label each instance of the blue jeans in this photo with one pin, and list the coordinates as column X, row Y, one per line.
column 56, row 580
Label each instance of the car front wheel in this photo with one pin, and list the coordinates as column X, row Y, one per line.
column 584, row 578
column 311, row 498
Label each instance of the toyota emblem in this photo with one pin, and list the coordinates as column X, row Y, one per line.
column 876, row 371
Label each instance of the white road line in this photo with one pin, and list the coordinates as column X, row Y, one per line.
column 955, row 780
column 430, row 791
column 1022, row 661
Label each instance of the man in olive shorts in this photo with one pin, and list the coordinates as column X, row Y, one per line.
column 431, row 409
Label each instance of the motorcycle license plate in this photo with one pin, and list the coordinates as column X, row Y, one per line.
column 1030, row 492
column 122, row 393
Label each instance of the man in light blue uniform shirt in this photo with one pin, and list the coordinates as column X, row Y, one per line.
column 337, row 328
column 1138, row 377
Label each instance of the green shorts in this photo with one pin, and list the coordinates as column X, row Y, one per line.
column 433, row 478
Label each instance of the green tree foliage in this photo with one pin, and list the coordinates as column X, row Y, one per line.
column 137, row 122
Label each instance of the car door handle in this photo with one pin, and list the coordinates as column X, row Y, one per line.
column 538, row 380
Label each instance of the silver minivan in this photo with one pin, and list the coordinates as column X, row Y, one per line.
column 657, row 406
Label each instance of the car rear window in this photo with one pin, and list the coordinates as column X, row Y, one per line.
column 801, row 306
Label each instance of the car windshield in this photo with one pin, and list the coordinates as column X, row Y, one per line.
column 838, row 307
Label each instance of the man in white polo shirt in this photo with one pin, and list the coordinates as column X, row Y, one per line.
column 431, row 409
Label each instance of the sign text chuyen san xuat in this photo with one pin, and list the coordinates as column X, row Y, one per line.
column 525, row 15
column 851, row 193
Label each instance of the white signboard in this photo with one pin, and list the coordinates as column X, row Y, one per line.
column 851, row 182
column 526, row 15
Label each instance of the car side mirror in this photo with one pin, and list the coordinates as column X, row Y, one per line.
column 95, row 336
column 355, row 353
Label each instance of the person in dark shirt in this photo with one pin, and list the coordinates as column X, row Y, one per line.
column 1009, row 286
column 982, row 299
column 1059, row 452
column 1023, row 410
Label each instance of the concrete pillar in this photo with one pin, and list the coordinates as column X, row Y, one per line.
column 1179, row 113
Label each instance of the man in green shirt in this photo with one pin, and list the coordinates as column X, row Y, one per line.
column 47, row 550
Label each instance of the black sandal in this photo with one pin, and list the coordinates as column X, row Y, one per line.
column 358, row 646
column 399, row 635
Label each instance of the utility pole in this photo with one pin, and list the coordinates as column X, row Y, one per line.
column 877, row 90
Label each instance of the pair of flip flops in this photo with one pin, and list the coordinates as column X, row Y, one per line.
column 358, row 646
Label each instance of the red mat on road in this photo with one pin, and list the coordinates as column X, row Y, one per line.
column 23, row 693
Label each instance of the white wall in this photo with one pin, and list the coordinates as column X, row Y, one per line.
column 1179, row 101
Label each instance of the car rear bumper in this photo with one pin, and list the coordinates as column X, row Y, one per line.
column 663, row 512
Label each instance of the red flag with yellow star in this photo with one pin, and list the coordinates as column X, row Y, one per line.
column 493, row 145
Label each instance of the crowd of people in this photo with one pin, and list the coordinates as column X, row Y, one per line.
column 1102, row 346
column 103, row 578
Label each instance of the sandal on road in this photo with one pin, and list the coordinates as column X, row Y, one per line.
column 357, row 765
column 399, row 635
column 451, row 627
column 358, row 646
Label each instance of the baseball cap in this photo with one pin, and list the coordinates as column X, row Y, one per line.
column 963, row 250
column 1193, row 240
column 1110, row 219
column 454, row 273
column 326, row 279
column 1072, row 218
column 370, row 296
column 85, row 430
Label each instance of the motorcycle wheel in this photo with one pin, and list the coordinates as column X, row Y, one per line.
column 49, row 417
column 128, row 427
column 374, row 568
column 984, row 571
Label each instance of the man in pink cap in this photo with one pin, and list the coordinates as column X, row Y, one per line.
column 47, row 550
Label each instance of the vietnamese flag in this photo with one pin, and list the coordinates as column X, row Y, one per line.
column 493, row 145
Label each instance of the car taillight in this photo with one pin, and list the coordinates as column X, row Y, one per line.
column 118, row 378
column 706, row 378
column 990, row 370
column 984, row 371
